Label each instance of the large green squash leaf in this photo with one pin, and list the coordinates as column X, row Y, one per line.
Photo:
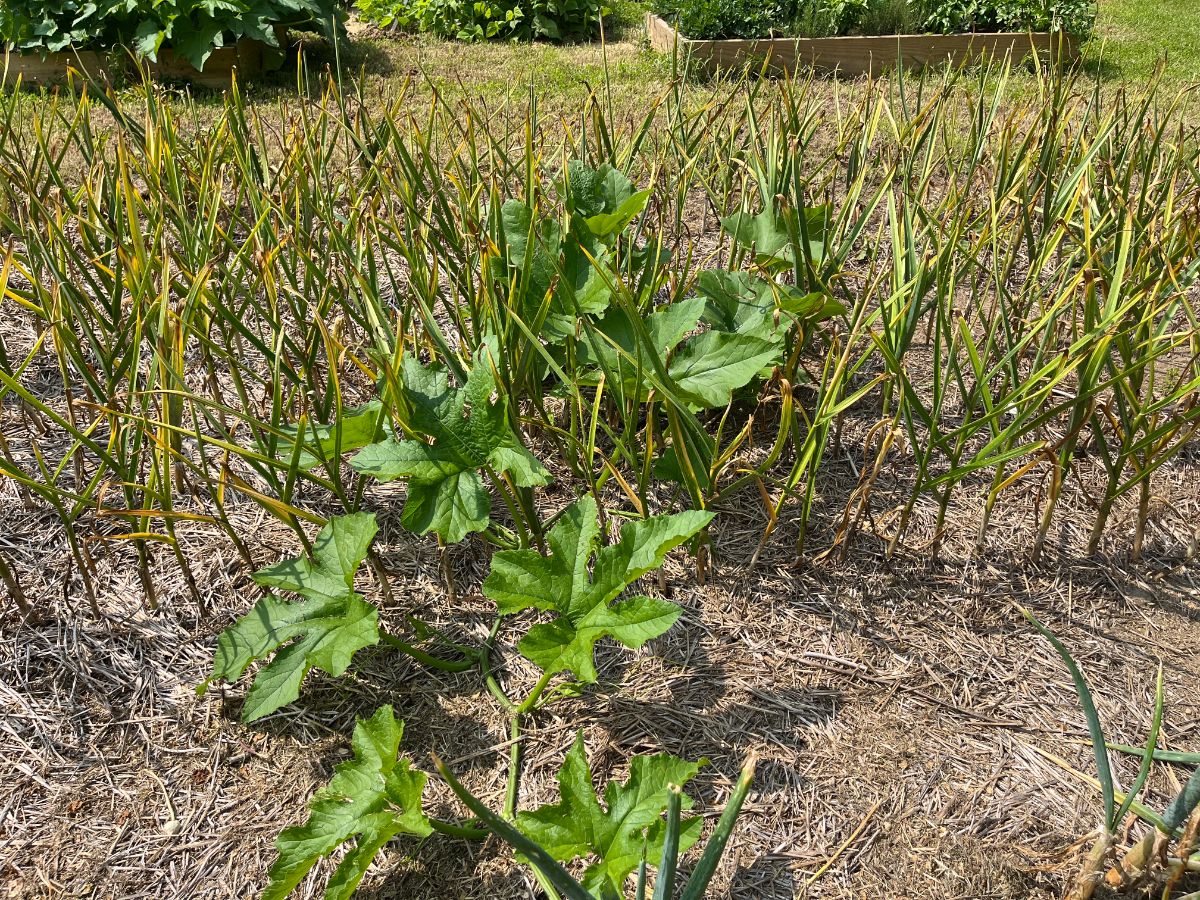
column 769, row 234
column 711, row 366
column 331, row 624
column 371, row 798
column 615, row 347
column 556, row 277
column 521, row 579
column 745, row 303
column 616, row 835
column 446, row 494
column 706, row 369
column 530, row 249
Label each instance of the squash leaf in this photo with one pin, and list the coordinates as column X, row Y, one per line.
column 446, row 494
column 560, row 583
column 355, row 429
column 618, row 833
column 706, row 369
column 712, row 365
column 769, row 234
column 371, row 798
column 744, row 303
column 332, row 623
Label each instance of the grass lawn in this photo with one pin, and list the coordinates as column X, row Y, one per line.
column 1134, row 36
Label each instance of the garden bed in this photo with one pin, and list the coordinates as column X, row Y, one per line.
column 246, row 56
column 862, row 55
column 914, row 736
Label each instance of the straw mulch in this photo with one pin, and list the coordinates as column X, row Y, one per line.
column 916, row 738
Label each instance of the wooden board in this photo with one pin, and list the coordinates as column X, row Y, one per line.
column 246, row 56
column 862, row 55
column 30, row 68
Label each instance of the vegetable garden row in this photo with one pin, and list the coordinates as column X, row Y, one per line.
column 582, row 346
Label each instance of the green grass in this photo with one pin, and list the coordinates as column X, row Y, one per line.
column 1133, row 37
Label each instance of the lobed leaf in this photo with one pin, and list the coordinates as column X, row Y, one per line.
column 561, row 583
column 328, row 628
column 622, row 831
column 469, row 431
column 370, row 799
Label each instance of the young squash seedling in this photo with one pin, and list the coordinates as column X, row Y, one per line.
column 374, row 798
column 623, row 831
column 371, row 799
column 457, row 433
column 582, row 603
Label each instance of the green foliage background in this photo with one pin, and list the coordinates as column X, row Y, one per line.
column 193, row 28
column 716, row 19
column 480, row 20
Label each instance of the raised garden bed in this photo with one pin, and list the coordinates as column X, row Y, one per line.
column 246, row 56
column 862, row 55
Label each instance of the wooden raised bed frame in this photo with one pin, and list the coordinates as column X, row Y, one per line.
column 862, row 55
column 246, row 56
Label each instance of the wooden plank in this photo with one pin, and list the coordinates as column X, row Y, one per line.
column 862, row 55
column 246, row 57
column 662, row 35
column 32, row 69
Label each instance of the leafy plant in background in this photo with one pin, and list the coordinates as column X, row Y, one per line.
column 714, row 19
column 717, row 19
column 481, row 20
column 397, row 14
column 1075, row 17
column 190, row 28
column 844, row 15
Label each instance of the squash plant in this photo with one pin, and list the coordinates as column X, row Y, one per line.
column 572, row 288
column 456, row 433
column 376, row 797
column 191, row 28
